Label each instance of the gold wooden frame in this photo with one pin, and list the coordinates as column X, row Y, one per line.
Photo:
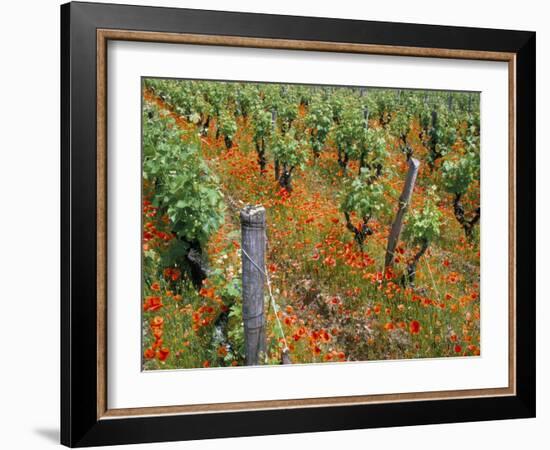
column 103, row 36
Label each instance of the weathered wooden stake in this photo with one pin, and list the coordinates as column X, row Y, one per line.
column 404, row 201
column 253, row 254
column 285, row 357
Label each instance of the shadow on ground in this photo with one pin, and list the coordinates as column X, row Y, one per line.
column 50, row 434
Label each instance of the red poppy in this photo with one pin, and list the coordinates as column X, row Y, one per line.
column 149, row 353
column 330, row 261
column 152, row 303
column 157, row 321
column 414, row 327
column 163, row 353
column 458, row 348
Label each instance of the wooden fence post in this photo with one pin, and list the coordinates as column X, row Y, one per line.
column 253, row 259
column 404, row 201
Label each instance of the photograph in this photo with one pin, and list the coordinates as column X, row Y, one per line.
column 299, row 224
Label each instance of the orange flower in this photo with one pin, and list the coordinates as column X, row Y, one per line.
column 157, row 332
column 453, row 277
column 389, row 326
column 171, row 273
column 222, row 351
column 414, row 327
column 329, row 261
column 175, row 275
column 163, row 353
column 152, row 304
column 206, row 364
column 149, row 353
column 157, row 321
column 208, row 293
column 155, row 286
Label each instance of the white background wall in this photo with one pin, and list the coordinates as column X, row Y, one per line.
column 29, row 223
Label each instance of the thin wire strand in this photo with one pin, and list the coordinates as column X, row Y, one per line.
column 433, row 281
column 273, row 303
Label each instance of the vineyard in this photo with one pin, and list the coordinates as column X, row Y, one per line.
column 331, row 166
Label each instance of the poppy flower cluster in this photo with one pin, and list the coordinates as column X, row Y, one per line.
column 157, row 349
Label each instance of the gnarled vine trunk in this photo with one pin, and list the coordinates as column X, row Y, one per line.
column 260, row 150
column 411, row 268
column 195, row 264
column 285, row 178
column 467, row 224
column 361, row 232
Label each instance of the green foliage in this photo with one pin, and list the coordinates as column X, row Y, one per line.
column 364, row 198
column 184, row 189
column 384, row 104
column 337, row 103
column 401, row 124
column 261, row 122
column 424, row 226
column 246, row 98
column 443, row 136
column 349, row 133
column 227, row 124
column 287, row 111
column 319, row 121
column 216, row 94
column 289, row 151
column 458, row 174
column 375, row 147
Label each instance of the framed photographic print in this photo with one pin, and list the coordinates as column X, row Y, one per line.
column 276, row 224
